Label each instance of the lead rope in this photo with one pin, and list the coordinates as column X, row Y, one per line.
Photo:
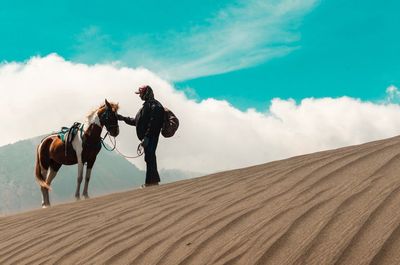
column 139, row 149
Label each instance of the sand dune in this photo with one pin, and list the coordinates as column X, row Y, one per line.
column 333, row 207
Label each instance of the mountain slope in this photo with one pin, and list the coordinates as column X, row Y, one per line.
column 334, row 207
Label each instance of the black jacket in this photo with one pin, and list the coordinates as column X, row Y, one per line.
column 149, row 119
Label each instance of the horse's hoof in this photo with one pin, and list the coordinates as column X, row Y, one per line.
column 77, row 198
column 45, row 206
column 86, row 197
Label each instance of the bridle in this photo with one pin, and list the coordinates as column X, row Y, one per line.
column 104, row 120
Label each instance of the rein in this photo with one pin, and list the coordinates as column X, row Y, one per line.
column 139, row 149
column 105, row 146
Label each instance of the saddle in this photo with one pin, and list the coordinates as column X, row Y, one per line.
column 67, row 135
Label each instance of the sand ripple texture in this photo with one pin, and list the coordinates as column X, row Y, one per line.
column 333, row 207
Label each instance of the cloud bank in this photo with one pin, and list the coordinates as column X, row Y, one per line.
column 43, row 94
column 238, row 36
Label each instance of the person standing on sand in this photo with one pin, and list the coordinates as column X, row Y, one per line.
column 148, row 121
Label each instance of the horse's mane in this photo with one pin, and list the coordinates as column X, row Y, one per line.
column 114, row 106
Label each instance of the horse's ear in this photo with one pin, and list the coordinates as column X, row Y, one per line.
column 108, row 105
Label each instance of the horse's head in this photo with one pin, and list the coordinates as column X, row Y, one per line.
column 108, row 118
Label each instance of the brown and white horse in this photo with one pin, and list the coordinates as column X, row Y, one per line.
column 86, row 145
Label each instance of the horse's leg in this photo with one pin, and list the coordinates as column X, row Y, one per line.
column 45, row 192
column 89, row 167
column 79, row 179
column 87, row 179
column 45, row 197
column 51, row 173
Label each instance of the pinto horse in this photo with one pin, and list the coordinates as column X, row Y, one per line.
column 86, row 145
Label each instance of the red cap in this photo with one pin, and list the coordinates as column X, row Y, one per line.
column 142, row 89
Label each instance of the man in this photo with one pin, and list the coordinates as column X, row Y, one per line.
column 148, row 121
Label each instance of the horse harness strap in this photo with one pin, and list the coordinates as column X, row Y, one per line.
column 67, row 135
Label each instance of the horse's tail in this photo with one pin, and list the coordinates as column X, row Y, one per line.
column 40, row 179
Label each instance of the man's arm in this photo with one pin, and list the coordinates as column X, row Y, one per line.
column 127, row 120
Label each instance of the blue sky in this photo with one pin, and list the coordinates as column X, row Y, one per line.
column 246, row 52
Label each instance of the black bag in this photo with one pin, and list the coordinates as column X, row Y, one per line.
column 170, row 125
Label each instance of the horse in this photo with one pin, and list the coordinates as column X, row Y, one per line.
column 51, row 153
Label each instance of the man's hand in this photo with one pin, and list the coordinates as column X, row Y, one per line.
column 145, row 142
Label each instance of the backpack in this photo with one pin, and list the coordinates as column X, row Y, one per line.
column 170, row 125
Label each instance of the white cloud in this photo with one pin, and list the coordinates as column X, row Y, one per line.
column 392, row 94
column 46, row 93
column 241, row 35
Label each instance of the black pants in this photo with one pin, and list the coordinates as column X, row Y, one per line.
column 152, row 176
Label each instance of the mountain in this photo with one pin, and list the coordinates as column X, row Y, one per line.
column 19, row 190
